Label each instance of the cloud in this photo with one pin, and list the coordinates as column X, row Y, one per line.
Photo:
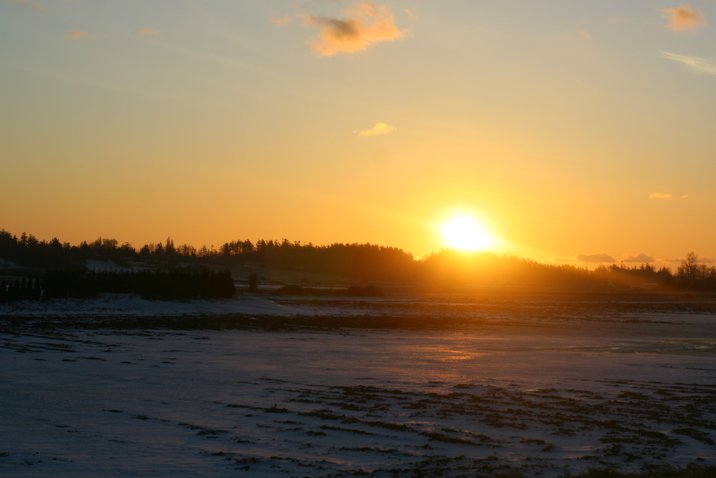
column 640, row 258
column 661, row 196
column 684, row 18
column 378, row 129
column 699, row 65
column 596, row 258
column 701, row 260
column 280, row 21
column 37, row 7
column 76, row 34
column 364, row 26
column 584, row 34
column 149, row 32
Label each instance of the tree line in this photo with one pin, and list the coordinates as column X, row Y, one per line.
column 365, row 261
column 490, row 269
column 175, row 283
column 24, row 288
column 362, row 262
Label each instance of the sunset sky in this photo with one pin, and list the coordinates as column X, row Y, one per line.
column 576, row 132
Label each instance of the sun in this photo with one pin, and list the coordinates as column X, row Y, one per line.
column 463, row 232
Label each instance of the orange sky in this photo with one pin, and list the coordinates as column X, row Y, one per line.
column 582, row 134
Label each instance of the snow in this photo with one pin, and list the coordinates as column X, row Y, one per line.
column 125, row 305
column 536, row 392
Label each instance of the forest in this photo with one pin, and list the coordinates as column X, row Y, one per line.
column 33, row 268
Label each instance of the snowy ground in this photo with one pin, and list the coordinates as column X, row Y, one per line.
column 348, row 388
column 125, row 305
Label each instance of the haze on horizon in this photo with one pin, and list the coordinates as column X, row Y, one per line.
column 577, row 132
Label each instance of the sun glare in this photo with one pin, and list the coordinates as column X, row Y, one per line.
column 465, row 233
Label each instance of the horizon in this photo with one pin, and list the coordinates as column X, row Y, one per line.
column 671, row 264
column 581, row 135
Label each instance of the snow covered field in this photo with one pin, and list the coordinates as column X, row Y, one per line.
column 392, row 388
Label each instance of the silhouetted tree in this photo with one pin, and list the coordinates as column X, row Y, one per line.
column 690, row 272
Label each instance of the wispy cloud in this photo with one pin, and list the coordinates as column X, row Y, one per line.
column 37, row 7
column 116, row 87
column 640, row 258
column 149, row 32
column 362, row 27
column 596, row 258
column 76, row 34
column 210, row 56
column 660, row 196
column 684, row 18
column 702, row 260
column 699, row 65
column 378, row 129
column 280, row 21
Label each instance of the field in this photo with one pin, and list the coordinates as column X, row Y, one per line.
column 403, row 386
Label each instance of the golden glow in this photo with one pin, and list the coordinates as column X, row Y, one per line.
column 549, row 160
column 463, row 232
